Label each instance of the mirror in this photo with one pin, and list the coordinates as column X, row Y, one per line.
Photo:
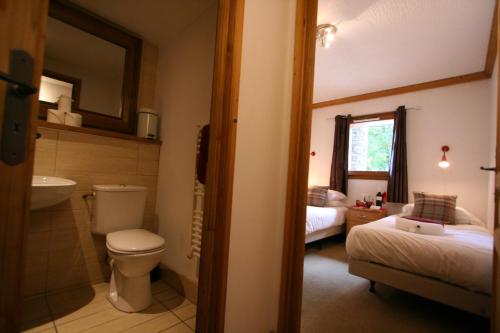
column 94, row 63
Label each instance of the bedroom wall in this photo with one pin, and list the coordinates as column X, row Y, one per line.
column 260, row 174
column 458, row 116
column 184, row 96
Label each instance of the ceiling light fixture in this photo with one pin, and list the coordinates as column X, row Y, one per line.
column 326, row 34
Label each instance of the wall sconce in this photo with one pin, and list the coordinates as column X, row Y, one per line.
column 326, row 34
column 444, row 162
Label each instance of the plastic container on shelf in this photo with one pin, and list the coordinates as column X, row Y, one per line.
column 147, row 125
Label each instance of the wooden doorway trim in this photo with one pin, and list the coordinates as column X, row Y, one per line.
column 22, row 26
column 495, row 313
column 212, row 285
column 298, row 167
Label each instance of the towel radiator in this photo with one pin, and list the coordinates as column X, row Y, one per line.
column 197, row 216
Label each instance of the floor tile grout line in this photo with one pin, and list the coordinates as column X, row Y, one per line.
column 56, row 326
column 182, row 320
column 124, row 314
column 176, row 308
column 109, row 321
column 176, row 325
column 45, row 298
column 88, row 328
column 83, row 316
column 185, row 322
column 154, row 319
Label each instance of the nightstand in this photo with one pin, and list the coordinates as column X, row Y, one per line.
column 358, row 216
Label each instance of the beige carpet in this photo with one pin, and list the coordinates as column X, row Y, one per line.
column 335, row 301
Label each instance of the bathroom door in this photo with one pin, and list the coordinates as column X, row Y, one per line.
column 22, row 26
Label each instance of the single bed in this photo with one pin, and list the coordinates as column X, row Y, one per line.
column 454, row 268
column 322, row 222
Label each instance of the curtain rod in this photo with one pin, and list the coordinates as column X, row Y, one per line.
column 410, row 108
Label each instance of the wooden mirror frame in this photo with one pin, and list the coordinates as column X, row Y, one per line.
column 92, row 24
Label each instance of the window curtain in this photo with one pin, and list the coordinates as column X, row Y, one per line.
column 339, row 172
column 397, row 186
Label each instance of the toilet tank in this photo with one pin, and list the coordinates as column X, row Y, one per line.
column 117, row 207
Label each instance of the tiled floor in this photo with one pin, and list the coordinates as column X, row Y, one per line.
column 87, row 310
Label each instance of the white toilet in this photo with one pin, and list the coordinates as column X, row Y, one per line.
column 117, row 213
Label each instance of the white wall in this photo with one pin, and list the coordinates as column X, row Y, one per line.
column 261, row 167
column 184, row 95
column 457, row 116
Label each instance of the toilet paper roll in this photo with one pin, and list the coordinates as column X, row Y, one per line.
column 64, row 103
column 73, row 119
column 55, row 116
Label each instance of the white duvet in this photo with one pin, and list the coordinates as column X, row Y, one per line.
column 463, row 255
column 320, row 218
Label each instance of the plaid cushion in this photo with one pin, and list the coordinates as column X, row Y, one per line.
column 435, row 207
column 317, row 196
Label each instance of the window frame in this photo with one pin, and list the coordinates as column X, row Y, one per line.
column 370, row 175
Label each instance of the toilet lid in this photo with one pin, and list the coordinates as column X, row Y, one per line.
column 134, row 240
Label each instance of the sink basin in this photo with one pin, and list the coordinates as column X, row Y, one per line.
column 49, row 191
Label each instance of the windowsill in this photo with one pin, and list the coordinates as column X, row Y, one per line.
column 369, row 175
column 95, row 131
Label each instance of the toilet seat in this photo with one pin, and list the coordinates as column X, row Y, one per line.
column 134, row 253
column 134, row 241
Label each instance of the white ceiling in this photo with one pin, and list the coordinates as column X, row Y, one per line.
column 382, row 44
column 157, row 21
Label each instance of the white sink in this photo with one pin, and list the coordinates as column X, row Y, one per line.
column 49, row 191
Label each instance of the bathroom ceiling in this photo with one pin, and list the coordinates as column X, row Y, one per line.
column 383, row 44
column 157, row 21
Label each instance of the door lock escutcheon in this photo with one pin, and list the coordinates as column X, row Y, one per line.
column 13, row 133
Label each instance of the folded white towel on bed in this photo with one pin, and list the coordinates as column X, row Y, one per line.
column 419, row 227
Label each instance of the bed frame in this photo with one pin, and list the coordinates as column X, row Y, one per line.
column 320, row 234
column 477, row 303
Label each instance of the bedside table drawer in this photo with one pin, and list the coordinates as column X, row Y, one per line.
column 362, row 217
column 356, row 216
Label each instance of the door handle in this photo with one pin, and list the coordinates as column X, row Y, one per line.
column 16, row 117
column 21, row 88
column 488, row 169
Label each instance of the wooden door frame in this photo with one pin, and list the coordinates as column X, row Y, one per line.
column 212, row 285
column 215, row 245
column 15, row 188
column 495, row 312
column 298, row 167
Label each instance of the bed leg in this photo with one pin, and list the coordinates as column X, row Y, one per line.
column 372, row 286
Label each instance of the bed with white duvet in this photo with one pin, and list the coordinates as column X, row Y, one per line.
column 463, row 255
column 323, row 222
column 454, row 268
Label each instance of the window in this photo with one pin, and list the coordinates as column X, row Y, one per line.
column 370, row 146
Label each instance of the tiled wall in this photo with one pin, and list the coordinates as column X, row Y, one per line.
column 61, row 251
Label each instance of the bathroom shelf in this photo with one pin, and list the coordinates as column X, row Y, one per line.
column 95, row 131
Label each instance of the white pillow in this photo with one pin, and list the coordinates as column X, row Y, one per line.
column 407, row 209
column 335, row 195
column 335, row 203
column 462, row 215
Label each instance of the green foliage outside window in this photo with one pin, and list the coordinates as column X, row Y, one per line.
column 379, row 147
